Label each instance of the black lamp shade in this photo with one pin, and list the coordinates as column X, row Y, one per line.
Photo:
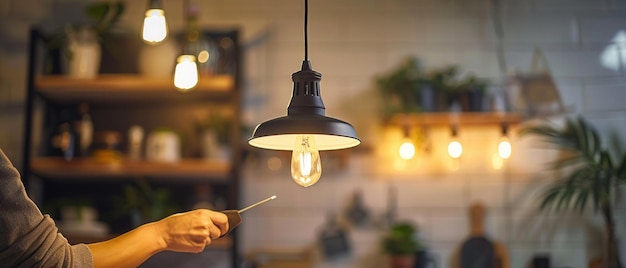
column 280, row 133
column 306, row 116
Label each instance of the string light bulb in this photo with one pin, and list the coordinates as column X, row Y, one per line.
column 407, row 148
column 504, row 145
column 154, row 28
column 455, row 148
column 186, row 73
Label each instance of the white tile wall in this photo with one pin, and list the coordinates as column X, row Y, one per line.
column 570, row 5
column 604, row 98
column 532, row 29
column 352, row 42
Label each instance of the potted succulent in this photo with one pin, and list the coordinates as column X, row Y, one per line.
column 401, row 243
column 591, row 177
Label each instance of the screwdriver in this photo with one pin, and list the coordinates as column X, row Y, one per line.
column 234, row 216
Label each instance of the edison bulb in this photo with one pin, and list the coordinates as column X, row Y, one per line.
column 504, row 148
column 407, row 150
column 154, row 26
column 455, row 149
column 306, row 166
column 186, row 73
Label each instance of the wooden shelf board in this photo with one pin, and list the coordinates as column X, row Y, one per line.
column 184, row 170
column 127, row 87
column 465, row 118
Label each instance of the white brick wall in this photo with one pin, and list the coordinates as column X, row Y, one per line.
column 352, row 42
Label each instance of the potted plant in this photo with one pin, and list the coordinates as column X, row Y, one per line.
column 401, row 243
column 439, row 88
column 400, row 88
column 215, row 136
column 81, row 42
column 471, row 92
column 144, row 203
column 591, row 176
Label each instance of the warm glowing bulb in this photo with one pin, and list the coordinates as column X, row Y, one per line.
column 306, row 166
column 504, row 148
column 455, row 149
column 407, row 150
column 186, row 73
column 154, row 26
column 203, row 56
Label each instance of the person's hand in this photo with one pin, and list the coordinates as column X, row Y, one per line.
column 191, row 231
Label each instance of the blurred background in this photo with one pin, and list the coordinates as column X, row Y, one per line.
column 356, row 45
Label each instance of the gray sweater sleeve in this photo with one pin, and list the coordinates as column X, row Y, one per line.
column 28, row 238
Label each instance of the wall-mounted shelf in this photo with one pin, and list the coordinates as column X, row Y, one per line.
column 128, row 88
column 465, row 118
column 184, row 170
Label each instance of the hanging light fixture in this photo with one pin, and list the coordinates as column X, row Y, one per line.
column 407, row 148
column 186, row 70
column 306, row 129
column 455, row 148
column 504, row 145
column 154, row 28
column 186, row 73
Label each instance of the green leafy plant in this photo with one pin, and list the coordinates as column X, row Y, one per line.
column 401, row 239
column 218, row 123
column 400, row 87
column 591, row 176
column 104, row 15
column 144, row 203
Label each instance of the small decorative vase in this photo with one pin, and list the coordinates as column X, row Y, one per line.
column 84, row 53
column 212, row 149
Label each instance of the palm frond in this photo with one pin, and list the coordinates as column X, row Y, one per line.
column 620, row 172
column 550, row 195
column 581, row 201
column 566, row 161
column 565, row 197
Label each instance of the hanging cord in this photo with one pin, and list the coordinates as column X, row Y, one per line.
column 186, row 10
column 497, row 25
column 306, row 39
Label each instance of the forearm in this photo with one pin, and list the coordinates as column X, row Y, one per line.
column 129, row 249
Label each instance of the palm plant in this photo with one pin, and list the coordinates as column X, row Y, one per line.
column 592, row 177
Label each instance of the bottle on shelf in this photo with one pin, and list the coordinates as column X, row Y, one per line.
column 64, row 142
column 84, row 128
column 135, row 142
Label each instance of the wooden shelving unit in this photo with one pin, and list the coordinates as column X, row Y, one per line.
column 186, row 170
column 464, row 118
column 117, row 99
column 129, row 88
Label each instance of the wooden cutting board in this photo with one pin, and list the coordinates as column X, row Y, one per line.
column 479, row 251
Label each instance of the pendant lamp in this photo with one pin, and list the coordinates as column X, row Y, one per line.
column 154, row 28
column 306, row 129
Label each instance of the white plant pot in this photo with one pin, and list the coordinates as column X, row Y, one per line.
column 84, row 54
